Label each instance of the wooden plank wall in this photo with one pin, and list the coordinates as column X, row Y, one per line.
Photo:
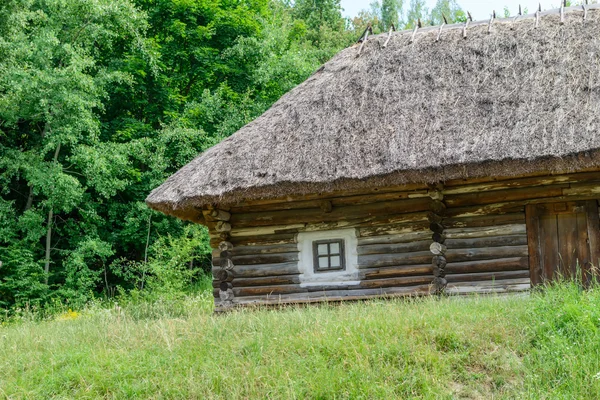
column 484, row 229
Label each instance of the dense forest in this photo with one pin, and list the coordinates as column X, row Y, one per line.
column 101, row 100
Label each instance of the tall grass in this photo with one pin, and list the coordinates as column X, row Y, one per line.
column 545, row 345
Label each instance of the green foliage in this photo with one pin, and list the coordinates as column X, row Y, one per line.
column 541, row 346
column 101, row 100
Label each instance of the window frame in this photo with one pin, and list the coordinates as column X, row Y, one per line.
column 341, row 254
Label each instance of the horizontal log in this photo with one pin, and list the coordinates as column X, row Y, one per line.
column 261, row 259
column 396, row 229
column 373, row 191
column 255, row 271
column 491, row 241
column 503, row 196
column 485, row 210
column 486, row 276
column 338, row 213
column 394, row 248
column 396, row 282
column 259, row 250
column 387, row 260
column 267, row 240
column 267, row 281
column 578, row 189
column 267, row 290
column 485, row 253
column 396, row 271
column 333, row 295
column 485, row 220
column 497, row 265
column 254, row 231
column 465, row 233
column 412, row 236
column 495, row 286
column 471, row 185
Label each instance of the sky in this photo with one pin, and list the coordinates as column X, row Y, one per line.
column 479, row 9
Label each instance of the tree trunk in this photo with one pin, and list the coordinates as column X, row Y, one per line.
column 49, row 230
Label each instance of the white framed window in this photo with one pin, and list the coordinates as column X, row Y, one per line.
column 328, row 258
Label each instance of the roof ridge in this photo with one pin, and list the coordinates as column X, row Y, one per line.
column 508, row 20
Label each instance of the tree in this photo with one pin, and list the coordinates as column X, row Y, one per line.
column 390, row 13
column 448, row 8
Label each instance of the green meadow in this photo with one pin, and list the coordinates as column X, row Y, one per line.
column 545, row 345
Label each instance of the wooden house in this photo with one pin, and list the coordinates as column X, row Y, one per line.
column 462, row 158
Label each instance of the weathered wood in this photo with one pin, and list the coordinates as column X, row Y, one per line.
column 439, row 261
column 436, row 195
column 413, row 236
column 220, row 215
column 396, row 282
column 223, row 254
column 223, row 226
column 434, row 218
column 593, row 226
column 268, row 218
column 326, row 206
column 436, row 227
column 267, row 290
column 485, row 253
column 268, row 240
column 269, row 249
column 395, row 229
column 490, row 241
column 541, row 178
column 223, row 286
column 465, row 233
column 484, row 220
column 224, row 263
column 578, row 189
column 225, row 246
column 386, row 260
column 393, row 248
column 255, row 271
column 504, row 196
column 396, row 271
column 253, row 231
column 224, row 275
column 333, row 295
column 438, row 272
column 261, row 258
column 494, row 265
column 485, row 276
column 437, row 207
column 438, row 238
column 437, row 248
column 268, row 280
column 495, row 286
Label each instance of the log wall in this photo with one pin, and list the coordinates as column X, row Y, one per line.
column 474, row 230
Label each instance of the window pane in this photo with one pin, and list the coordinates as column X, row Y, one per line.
column 323, row 249
column 335, row 262
column 334, row 248
column 323, row 264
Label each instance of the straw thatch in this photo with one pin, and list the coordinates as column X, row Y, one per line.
column 513, row 101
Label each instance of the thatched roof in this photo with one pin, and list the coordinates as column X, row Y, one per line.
column 516, row 100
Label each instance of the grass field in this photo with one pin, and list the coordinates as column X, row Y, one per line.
column 543, row 346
